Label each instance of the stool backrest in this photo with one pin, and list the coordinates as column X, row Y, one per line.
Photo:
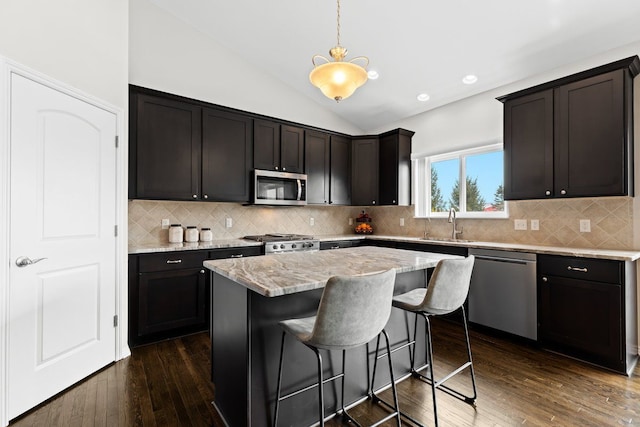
column 449, row 285
column 353, row 310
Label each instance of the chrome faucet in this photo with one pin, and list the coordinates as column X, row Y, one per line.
column 452, row 220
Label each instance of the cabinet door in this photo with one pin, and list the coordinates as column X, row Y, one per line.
column 581, row 318
column 364, row 177
column 316, row 146
column 172, row 302
column 590, row 148
column 165, row 155
column 395, row 168
column 227, row 156
column 528, row 146
column 340, row 171
column 292, row 149
column 266, row 145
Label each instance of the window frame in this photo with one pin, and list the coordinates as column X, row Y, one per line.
column 422, row 189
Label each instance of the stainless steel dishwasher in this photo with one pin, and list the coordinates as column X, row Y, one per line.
column 502, row 294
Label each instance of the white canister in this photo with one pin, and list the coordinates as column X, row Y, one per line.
column 191, row 235
column 175, row 233
column 206, row 235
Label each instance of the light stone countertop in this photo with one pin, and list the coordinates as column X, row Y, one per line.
column 618, row 255
column 612, row 254
column 170, row 247
column 287, row 273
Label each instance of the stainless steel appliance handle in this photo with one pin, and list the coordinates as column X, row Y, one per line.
column 299, row 189
column 500, row 259
column 24, row 261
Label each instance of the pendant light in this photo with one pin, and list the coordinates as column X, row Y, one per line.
column 338, row 79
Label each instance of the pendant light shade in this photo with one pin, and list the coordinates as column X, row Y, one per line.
column 338, row 79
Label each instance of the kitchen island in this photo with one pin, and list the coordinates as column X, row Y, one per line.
column 250, row 296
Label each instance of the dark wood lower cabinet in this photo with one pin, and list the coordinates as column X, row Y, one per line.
column 171, row 301
column 585, row 310
column 169, row 292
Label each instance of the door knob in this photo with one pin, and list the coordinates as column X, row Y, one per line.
column 23, row 261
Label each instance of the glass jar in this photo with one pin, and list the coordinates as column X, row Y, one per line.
column 191, row 235
column 176, row 233
column 206, row 235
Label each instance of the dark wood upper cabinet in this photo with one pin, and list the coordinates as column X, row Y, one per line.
column 395, row 168
column 227, row 156
column 528, row 146
column 591, row 150
column 572, row 137
column 340, row 173
column 165, row 151
column 291, row 149
column 278, row 147
column 317, row 149
column 266, row 145
column 364, row 171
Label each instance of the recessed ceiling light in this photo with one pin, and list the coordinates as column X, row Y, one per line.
column 469, row 79
column 373, row 74
column 423, row 97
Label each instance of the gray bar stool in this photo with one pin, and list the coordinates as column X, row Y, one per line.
column 446, row 292
column 353, row 310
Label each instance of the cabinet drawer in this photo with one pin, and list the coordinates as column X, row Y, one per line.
column 235, row 252
column 598, row 270
column 338, row 244
column 171, row 261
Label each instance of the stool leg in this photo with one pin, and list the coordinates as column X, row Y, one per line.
column 375, row 366
column 278, row 389
column 430, row 362
column 412, row 354
column 320, row 387
column 473, row 375
column 393, row 381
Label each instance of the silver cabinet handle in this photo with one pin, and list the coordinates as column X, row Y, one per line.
column 335, row 247
column 195, row 196
column 563, row 192
column 201, row 271
column 174, row 261
column 580, row 269
column 544, row 279
column 237, row 256
column 547, row 193
column 205, row 196
column 23, row 261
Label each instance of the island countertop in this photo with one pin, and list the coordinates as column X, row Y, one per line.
column 282, row 274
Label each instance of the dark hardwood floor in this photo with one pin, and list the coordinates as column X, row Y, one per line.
column 167, row 384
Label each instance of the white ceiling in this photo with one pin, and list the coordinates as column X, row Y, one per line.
column 415, row 45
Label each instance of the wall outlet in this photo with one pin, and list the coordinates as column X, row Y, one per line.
column 350, row 221
column 520, row 224
column 228, row 222
column 585, row 226
column 535, row 225
column 164, row 224
column 401, row 222
column 312, row 221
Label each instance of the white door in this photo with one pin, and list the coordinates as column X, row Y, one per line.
column 63, row 210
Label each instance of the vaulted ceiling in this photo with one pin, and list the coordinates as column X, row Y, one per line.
column 416, row 46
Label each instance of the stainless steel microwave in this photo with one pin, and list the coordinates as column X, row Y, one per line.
column 279, row 188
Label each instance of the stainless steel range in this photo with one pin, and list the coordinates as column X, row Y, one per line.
column 279, row 243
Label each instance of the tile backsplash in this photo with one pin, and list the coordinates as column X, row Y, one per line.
column 611, row 220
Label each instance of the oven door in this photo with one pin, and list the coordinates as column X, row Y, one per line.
column 279, row 188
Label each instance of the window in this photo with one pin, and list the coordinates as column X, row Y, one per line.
column 469, row 181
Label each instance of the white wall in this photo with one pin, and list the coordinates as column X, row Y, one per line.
column 478, row 119
column 78, row 42
column 168, row 55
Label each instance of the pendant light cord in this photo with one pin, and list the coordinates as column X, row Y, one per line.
column 338, row 21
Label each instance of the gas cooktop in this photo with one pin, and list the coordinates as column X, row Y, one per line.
column 279, row 242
